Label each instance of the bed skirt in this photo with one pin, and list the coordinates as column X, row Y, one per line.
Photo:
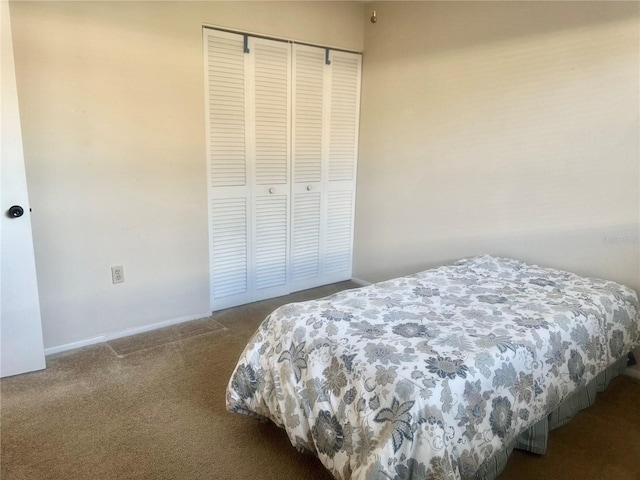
column 534, row 439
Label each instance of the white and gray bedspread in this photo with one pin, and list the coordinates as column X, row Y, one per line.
column 429, row 375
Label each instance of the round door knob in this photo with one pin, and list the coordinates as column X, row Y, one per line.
column 309, row 188
column 272, row 190
column 16, row 211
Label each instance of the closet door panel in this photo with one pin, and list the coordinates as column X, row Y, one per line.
column 345, row 111
column 270, row 242
column 344, row 108
column 226, row 110
column 226, row 86
column 270, row 72
column 229, row 248
column 271, row 76
column 305, row 240
column 309, row 152
column 308, row 113
column 337, row 260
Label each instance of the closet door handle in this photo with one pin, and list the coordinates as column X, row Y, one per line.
column 309, row 188
column 272, row 190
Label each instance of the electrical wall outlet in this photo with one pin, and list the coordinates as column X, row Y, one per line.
column 117, row 274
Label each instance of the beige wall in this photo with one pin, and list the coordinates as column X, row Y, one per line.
column 508, row 128
column 112, row 107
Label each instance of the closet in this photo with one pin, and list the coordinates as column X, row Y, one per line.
column 282, row 131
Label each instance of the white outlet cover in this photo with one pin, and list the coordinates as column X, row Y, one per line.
column 117, row 274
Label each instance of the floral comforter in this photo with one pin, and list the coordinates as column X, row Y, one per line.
column 429, row 375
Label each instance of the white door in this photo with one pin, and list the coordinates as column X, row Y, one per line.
column 341, row 165
column 229, row 178
column 248, row 156
column 326, row 105
column 309, row 149
column 269, row 157
column 21, row 346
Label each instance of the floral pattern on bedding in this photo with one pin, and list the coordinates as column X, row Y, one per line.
column 429, row 375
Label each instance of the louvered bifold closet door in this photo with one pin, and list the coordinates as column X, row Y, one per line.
column 308, row 152
column 282, row 138
column 228, row 168
column 270, row 74
column 340, row 167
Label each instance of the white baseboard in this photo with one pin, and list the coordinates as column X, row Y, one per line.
column 123, row 333
column 359, row 281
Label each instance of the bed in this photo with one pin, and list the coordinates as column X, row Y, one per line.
column 439, row 374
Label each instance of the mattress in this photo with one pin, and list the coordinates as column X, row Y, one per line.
column 434, row 374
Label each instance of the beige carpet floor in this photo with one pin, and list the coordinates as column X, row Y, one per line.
column 153, row 407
